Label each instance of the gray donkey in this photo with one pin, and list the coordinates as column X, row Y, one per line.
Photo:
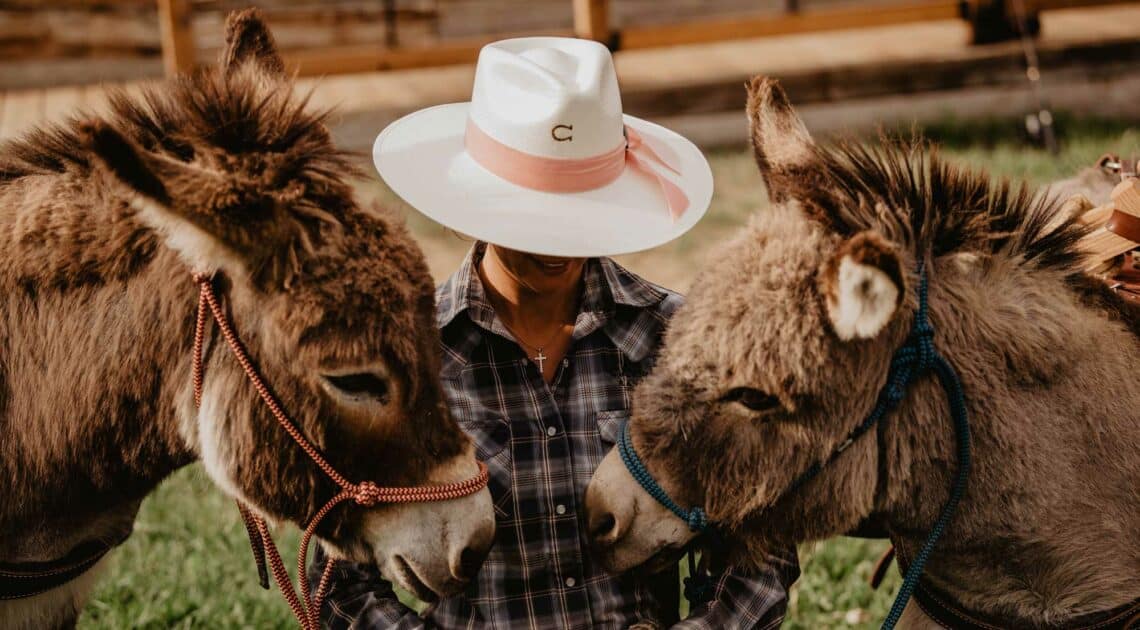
column 101, row 225
column 786, row 341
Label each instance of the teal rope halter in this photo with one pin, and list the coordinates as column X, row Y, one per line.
column 913, row 359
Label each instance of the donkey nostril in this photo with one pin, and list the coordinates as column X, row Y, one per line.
column 469, row 562
column 604, row 529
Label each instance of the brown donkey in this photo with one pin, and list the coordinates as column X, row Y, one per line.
column 101, row 225
column 785, row 343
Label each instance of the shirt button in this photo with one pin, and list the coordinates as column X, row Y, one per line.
column 551, row 431
column 570, row 582
column 561, row 509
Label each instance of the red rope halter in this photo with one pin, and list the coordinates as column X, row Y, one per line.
column 306, row 607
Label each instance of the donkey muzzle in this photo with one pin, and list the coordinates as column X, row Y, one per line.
column 628, row 527
column 434, row 549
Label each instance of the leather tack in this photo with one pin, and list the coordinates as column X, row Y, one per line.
column 1125, row 225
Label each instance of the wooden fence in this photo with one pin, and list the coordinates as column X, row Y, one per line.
column 592, row 21
column 366, row 35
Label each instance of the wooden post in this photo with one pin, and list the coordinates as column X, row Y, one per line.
column 391, row 36
column 177, row 37
column 591, row 20
column 994, row 21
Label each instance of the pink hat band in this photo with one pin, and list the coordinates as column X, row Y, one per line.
column 558, row 175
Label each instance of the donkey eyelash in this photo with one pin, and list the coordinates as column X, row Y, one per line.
column 752, row 399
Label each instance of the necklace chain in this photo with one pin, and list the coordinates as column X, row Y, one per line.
column 519, row 338
column 540, row 357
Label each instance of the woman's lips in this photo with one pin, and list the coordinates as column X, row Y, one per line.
column 552, row 267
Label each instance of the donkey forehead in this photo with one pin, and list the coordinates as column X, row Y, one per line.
column 337, row 329
column 756, row 317
column 376, row 286
column 360, row 297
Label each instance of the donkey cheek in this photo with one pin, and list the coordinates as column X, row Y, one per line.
column 213, row 449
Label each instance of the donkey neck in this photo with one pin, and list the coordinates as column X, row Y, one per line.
column 96, row 341
column 1052, row 412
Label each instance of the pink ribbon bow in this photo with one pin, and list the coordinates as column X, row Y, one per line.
column 576, row 175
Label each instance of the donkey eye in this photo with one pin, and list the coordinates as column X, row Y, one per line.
column 752, row 398
column 362, row 385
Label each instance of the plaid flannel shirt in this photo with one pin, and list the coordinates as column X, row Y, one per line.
column 542, row 443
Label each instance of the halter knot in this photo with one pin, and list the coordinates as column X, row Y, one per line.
column 697, row 520
column 366, row 494
column 922, row 340
column 915, row 357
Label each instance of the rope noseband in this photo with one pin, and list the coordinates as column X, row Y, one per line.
column 366, row 493
column 694, row 517
column 912, row 360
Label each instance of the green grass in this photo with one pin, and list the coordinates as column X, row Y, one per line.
column 188, row 564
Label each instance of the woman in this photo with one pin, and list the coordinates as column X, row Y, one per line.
column 543, row 335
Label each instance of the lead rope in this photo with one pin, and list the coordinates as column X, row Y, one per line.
column 306, row 608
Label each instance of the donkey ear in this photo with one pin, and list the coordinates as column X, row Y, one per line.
column 862, row 286
column 161, row 186
column 784, row 150
column 124, row 159
column 248, row 40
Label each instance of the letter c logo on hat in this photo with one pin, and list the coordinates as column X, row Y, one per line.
column 558, row 132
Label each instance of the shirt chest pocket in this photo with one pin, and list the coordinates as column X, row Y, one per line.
column 610, row 425
column 492, row 437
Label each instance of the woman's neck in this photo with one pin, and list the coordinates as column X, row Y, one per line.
column 522, row 307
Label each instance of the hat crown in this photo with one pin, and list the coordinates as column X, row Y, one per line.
column 553, row 97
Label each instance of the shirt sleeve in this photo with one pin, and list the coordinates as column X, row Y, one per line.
column 757, row 599
column 359, row 598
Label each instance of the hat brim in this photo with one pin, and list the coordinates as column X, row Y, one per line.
column 422, row 159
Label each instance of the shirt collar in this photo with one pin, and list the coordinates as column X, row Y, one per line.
column 463, row 291
column 606, row 286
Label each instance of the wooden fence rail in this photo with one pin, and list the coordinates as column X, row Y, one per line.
column 990, row 19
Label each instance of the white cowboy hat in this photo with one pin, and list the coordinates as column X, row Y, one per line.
column 542, row 159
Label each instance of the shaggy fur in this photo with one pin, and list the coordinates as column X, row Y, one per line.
column 102, row 223
column 1050, row 525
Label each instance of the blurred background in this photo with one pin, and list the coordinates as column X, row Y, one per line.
column 848, row 64
column 1033, row 90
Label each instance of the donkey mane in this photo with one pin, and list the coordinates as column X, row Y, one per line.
column 229, row 112
column 905, row 190
column 248, row 126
